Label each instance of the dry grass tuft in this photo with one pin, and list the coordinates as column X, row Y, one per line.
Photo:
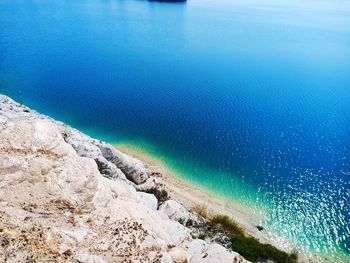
column 224, row 221
column 201, row 210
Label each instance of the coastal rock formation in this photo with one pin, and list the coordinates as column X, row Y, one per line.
column 112, row 162
column 65, row 197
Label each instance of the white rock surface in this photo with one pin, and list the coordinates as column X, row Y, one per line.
column 175, row 211
column 200, row 251
column 64, row 197
column 148, row 200
column 112, row 159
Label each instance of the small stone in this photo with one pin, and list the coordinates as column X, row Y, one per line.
column 260, row 228
column 178, row 254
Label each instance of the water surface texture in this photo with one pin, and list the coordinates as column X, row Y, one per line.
column 250, row 99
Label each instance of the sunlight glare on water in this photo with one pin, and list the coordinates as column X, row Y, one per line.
column 248, row 98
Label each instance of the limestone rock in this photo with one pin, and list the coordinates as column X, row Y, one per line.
column 112, row 162
column 196, row 246
column 175, row 211
column 201, row 252
column 47, row 184
column 148, row 200
column 134, row 169
column 108, row 169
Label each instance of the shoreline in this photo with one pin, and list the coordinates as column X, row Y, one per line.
column 190, row 195
column 181, row 189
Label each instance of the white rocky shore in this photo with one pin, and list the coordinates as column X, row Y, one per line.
column 65, row 197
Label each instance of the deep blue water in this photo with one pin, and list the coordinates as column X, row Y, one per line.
column 249, row 98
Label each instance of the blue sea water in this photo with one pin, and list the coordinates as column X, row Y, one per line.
column 248, row 98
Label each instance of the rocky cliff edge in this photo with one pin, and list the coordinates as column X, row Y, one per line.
column 65, row 197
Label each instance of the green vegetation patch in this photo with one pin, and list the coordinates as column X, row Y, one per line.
column 251, row 249
column 226, row 223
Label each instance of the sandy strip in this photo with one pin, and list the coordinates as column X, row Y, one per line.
column 189, row 195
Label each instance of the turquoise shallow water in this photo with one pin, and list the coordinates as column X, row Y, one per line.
column 250, row 99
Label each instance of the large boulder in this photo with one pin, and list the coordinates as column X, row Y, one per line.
column 148, row 200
